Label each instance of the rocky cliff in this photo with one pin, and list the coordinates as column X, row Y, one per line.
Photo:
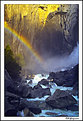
column 51, row 29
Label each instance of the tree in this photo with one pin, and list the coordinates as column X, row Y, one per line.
column 11, row 65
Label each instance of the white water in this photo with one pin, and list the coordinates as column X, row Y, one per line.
column 37, row 99
column 59, row 112
column 39, row 77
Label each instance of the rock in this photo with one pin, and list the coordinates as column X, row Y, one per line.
column 25, row 92
column 11, row 113
column 75, row 90
column 60, row 26
column 41, row 104
column 60, row 99
column 44, row 82
column 62, row 115
column 51, row 113
column 30, row 82
column 34, row 109
column 38, row 86
column 27, row 112
column 73, row 108
column 14, row 100
column 59, row 33
column 38, row 91
column 22, row 91
column 11, row 104
column 52, row 75
column 8, row 81
column 65, row 78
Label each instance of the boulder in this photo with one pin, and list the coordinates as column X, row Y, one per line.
column 11, row 112
column 38, row 91
column 41, row 104
column 65, row 78
column 44, row 82
column 8, row 81
column 30, row 82
column 31, row 106
column 27, row 112
column 61, row 99
column 62, row 115
column 25, row 91
column 22, row 91
column 75, row 90
column 11, row 104
column 51, row 113
column 73, row 108
column 38, row 86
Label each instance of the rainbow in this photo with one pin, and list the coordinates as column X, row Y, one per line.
column 24, row 41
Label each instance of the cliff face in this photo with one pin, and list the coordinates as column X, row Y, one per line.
column 61, row 30
column 51, row 29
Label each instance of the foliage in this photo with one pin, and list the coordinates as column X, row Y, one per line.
column 20, row 59
column 11, row 65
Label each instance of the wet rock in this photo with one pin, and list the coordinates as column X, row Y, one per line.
column 38, row 86
column 60, row 99
column 41, row 104
column 8, row 81
column 66, row 78
column 75, row 90
column 62, row 116
column 11, row 104
column 44, row 82
column 52, row 75
column 14, row 100
column 40, row 92
column 20, row 89
column 31, row 106
column 30, row 82
column 25, row 92
column 51, row 113
column 73, row 108
column 27, row 112
column 35, row 110
column 11, row 112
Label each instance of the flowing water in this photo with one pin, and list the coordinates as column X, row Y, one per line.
column 53, row 87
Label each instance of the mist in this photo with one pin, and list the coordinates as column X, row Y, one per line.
column 62, row 63
column 54, row 64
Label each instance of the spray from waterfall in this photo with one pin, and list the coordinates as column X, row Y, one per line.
column 64, row 62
